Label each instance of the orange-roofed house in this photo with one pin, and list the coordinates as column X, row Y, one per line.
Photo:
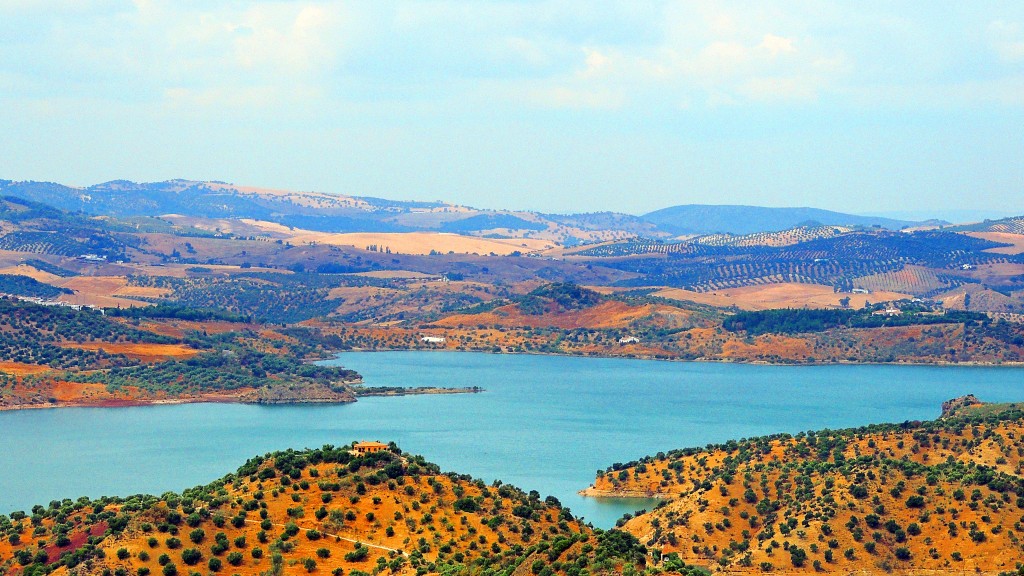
column 369, row 447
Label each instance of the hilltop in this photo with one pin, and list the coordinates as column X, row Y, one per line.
column 322, row 511
column 918, row 496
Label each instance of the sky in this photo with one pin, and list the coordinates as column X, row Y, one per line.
column 558, row 106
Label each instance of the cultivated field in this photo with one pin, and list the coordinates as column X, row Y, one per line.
column 1017, row 241
column 423, row 242
column 783, row 295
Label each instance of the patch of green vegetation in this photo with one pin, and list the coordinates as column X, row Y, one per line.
column 230, row 366
column 565, row 295
column 32, row 334
column 271, row 297
column 25, row 286
column 178, row 312
column 50, row 268
column 793, row 321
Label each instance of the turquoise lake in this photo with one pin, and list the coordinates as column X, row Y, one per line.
column 544, row 423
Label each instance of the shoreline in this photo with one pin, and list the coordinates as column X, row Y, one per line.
column 593, row 492
column 224, row 399
column 390, row 392
column 701, row 360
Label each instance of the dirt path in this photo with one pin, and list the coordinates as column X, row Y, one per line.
column 338, row 536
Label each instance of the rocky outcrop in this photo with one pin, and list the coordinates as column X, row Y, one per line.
column 300, row 393
column 952, row 407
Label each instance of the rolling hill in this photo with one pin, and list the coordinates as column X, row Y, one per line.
column 321, row 212
column 945, row 495
column 330, row 510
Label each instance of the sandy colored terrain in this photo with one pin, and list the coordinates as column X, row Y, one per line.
column 26, row 270
column 397, row 274
column 101, row 285
column 359, row 293
column 785, row 295
column 424, row 242
column 1017, row 241
column 610, row 314
column 101, row 301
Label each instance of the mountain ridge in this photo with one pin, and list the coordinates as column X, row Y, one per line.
column 743, row 219
column 329, row 212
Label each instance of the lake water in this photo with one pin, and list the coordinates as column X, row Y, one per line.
column 545, row 423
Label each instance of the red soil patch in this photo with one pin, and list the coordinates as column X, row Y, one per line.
column 20, row 369
column 140, row 351
column 78, row 539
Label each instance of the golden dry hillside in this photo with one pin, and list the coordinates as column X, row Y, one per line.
column 324, row 511
column 939, row 496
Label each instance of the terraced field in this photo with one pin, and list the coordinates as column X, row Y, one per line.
column 916, row 280
column 781, row 238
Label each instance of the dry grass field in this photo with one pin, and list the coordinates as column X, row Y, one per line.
column 783, row 295
column 31, row 272
column 1016, row 241
column 609, row 314
column 424, row 242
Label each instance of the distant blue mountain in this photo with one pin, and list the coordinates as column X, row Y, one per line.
column 712, row 219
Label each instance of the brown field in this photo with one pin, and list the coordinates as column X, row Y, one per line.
column 101, row 301
column 142, row 291
column 424, row 242
column 106, row 291
column 39, row 275
column 1016, row 241
column 182, row 270
column 397, row 274
column 102, row 285
column 141, row 351
column 784, row 295
column 610, row 314
column 178, row 328
column 997, row 271
column 359, row 293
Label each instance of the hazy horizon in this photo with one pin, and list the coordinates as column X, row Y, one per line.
column 553, row 106
column 951, row 215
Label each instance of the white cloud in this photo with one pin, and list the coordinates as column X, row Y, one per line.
column 1007, row 40
column 776, row 45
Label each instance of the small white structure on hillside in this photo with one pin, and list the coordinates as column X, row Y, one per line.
column 433, row 339
column 629, row 340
